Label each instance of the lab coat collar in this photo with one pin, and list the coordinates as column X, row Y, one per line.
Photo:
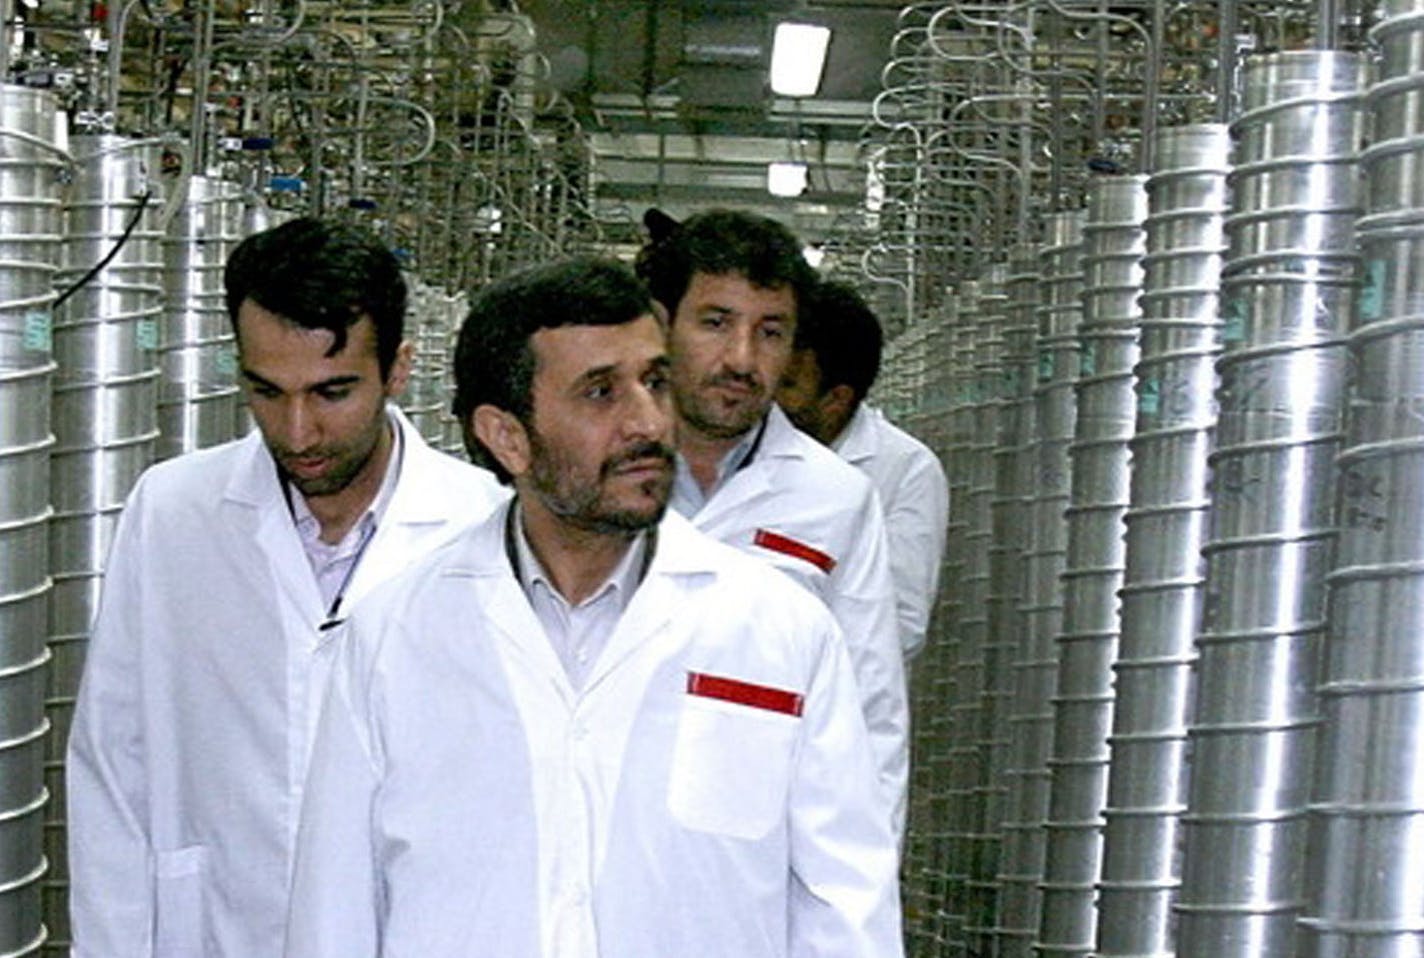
column 418, row 501
column 681, row 549
column 682, row 554
column 419, row 495
column 780, row 441
column 859, row 441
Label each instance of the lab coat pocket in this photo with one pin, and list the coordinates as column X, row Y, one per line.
column 731, row 768
column 178, row 928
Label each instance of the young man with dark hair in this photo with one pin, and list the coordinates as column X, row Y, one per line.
column 231, row 571
column 732, row 284
column 583, row 728
column 823, row 392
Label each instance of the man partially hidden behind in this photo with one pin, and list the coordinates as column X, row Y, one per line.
column 823, row 392
column 583, row 728
column 733, row 285
column 230, row 573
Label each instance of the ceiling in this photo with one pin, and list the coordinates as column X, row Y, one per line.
column 676, row 98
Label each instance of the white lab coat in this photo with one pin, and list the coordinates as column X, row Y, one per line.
column 804, row 495
column 914, row 495
column 203, row 681
column 465, row 800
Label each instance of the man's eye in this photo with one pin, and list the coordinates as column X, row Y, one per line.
column 772, row 332
column 334, row 395
column 601, row 391
column 714, row 321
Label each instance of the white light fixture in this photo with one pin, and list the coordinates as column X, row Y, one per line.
column 814, row 255
column 798, row 55
column 785, row 179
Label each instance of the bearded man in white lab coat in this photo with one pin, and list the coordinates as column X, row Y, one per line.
column 584, row 728
column 823, row 392
column 732, row 284
column 230, row 572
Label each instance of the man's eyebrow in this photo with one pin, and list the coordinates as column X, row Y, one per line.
column 595, row 373
column 334, row 381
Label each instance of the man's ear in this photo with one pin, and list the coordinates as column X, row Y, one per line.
column 399, row 375
column 837, row 406
column 504, row 436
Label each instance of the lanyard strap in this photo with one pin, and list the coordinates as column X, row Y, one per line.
column 331, row 620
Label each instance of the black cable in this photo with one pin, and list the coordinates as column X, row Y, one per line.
column 128, row 231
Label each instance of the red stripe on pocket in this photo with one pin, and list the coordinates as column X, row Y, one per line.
column 744, row 693
column 797, row 550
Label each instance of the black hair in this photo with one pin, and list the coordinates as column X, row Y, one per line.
column 321, row 275
column 718, row 242
column 841, row 329
column 494, row 356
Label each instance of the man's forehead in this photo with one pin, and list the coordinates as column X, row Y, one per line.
column 705, row 278
column 574, row 349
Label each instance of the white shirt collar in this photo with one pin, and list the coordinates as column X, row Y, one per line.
column 687, row 494
column 622, row 581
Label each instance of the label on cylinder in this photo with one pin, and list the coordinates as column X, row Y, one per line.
column 1087, row 360
column 1372, row 292
column 1234, row 329
column 146, row 333
column 39, row 331
column 1149, row 397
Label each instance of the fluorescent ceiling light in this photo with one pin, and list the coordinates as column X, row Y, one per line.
column 786, row 179
column 798, row 56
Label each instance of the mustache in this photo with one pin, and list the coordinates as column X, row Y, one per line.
column 643, row 450
column 729, row 377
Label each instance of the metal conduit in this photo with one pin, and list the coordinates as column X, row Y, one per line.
column 105, row 419
column 931, row 676
column 989, row 666
column 1288, row 286
column 32, row 163
column 943, row 921
column 1058, row 312
column 1366, row 846
column 1008, row 371
column 198, row 392
column 966, row 756
column 1113, row 246
column 1166, row 526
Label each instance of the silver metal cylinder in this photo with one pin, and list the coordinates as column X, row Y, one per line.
column 931, row 678
column 1365, row 855
column 1113, row 247
column 974, row 848
column 1288, row 287
column 198, row 392
column 32, row 167
column 1034, row 671
column 1012, row 468
column 106, row 337
column 1166, row 525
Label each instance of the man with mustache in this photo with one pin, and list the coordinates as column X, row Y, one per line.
column 230, row 573
column 583, row 728
column 732, row 284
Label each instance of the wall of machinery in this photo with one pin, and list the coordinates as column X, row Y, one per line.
column 139, row 142
column 1158, row 268
column 1151, row 270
